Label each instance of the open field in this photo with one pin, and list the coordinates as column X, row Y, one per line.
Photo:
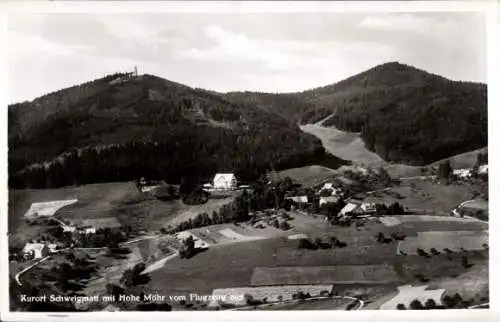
column 341, row 274
column 230, row 233
column 111, row 269
column 473, row 284
column 309, row 176
column 440, row 267
column 237, row 296
column 232, row 265
column 148, row 213
column 423, row 195
column 111, row 200
column 337, row 304
column 94, row 200
column 350, row 146
column 408, row 293
column 453, row 240
column 391, row 221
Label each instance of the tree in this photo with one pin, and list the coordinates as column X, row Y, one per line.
column 445, row 171
column 434, row 251
column 187, row 249
column 430, row 304
column 114, row 290
column 416, row 305
column 305, row 243
column 284, row 225
column 465, row 262
column 401, row 306
column 422, row 252
column 384, row 177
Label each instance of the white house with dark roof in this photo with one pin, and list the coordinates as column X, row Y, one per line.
column 327, row 200
column 483, row 169
column 368, row 206
column 225, row 181
column 298, row 199
column 350, row 207
column 330, row 186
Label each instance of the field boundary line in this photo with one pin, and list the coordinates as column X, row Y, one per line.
column 361, row 302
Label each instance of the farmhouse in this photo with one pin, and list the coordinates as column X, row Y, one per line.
column 327, row 200
column 462, row 173
column 86, row 230
column 350, row 207
column 299, row 199
column 368, row 207
column 69, row 229
column 52, row 248
column 198, row 243
column 35, row 250
column 224, row 181
column 329, row 186
column 45, row 209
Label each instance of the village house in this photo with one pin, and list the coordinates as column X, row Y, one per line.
column 350, row 207
column 368, row 207
column 69, row 229
column 462, row 173
column 86, row 230
column 329, row 186
column 483, row 169
column 35, row 250
column 225, row 181
column 299, row 199
column 52, row 248
column 327, row 200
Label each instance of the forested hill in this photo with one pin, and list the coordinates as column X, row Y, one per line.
column 123, row 127
column 404, row 114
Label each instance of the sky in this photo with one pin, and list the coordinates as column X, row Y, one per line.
column 271, row 52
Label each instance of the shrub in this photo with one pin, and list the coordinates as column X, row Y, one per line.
column 401, row 306
column 422, row 252
column 416, row 305
column 430, row 304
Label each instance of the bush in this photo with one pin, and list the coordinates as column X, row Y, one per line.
column 416, row 305
column 305, row 243
column 401, row 306
column 435, row 251
column 422, row 252
column 430, row 304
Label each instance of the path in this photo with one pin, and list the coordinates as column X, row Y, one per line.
column 18, row 275
column 160, row 263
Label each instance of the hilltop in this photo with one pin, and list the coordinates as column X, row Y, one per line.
column 402, row 113
column 122, row 127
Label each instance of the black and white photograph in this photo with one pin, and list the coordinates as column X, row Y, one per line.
column 241, row 160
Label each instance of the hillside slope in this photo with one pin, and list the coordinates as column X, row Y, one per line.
column 404, row 114
column 122, row 127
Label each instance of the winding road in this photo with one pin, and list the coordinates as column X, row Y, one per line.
column 18, row 275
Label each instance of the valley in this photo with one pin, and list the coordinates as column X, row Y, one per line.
column 133, row 185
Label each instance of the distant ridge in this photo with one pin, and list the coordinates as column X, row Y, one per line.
column 404, row 114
